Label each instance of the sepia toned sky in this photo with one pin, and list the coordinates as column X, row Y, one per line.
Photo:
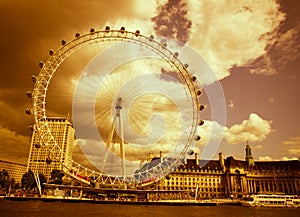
column 252, row 47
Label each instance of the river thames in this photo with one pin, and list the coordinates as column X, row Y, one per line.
column 52, row 209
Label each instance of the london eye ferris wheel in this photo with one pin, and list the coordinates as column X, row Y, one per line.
column 132, row 98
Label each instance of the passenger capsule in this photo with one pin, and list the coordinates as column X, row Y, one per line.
column 201, row 122
column 197, row 138
column 122, row 29
column 92, row 30
column 190, row 152
column 194, row 78
column 137, row 33
column 201, row 107
column 29, row 94
column 37, row 145
column 186, row 65
column 41, row 64
column 63, row 42
column 198, row 92
column 28, row 111
column 30, row 128
column 51, row 52
column 33, row 78
column 151, row 38
column 107, row 28
column 77, row 35
column 176, row 54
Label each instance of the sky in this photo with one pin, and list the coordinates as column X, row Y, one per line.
column 251, row 46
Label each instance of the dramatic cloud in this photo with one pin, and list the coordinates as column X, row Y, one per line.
column 12, row 114
column 232, row 33
column 172, row 21
column 13, row 147
column 285, row 49
column 42, row 26
column 255, row 129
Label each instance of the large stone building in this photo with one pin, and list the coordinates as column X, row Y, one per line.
column 15, row 170
column 39, row 156
column 229, row 177
column 262, row 177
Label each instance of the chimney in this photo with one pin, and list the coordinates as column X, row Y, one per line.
column 150, row 156
column 221, row 160
column 196, row 158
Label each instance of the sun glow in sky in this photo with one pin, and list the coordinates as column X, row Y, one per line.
column 157, row 110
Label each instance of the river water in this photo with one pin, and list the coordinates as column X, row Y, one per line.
column 60, row 209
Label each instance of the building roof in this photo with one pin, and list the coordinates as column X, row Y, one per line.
column 202, row 164
column 231, row 162
column 277, row 165
column 14, row 163
column 264, row 165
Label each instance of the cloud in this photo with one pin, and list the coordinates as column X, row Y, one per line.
column 230, row 104
column 293, row 145
column 294, row 141
column 270, row 100
column 45, row 32
column 265, row 158
column 288, row 44
column 211, row 133
column 13, row 147
column 11, row 114
column 258, row 147
column 255, row 129
column 210, row 130
column 285, row 158
column 232, row 33
column 226, row 33
column 285, row 49
column 172, row 21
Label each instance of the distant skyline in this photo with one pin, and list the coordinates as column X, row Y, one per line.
column 252, row 46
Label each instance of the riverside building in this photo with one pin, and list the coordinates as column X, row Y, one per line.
column 224, row 178
column 15, row 170
column 40, row 160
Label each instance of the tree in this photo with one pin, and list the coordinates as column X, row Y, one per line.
column 4, row 179
column 28, row 181
column 43, row 180
column 14, row 185
column 56, row 176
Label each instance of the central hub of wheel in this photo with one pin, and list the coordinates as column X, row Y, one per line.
column 118, row 106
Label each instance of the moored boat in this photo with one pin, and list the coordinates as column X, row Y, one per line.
column 274, row 200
